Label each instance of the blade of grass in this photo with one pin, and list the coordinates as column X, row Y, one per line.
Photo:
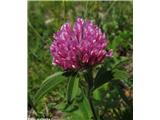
column 30, row 25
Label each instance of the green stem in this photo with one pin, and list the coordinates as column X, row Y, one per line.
column 89, row 79
column 91, row 105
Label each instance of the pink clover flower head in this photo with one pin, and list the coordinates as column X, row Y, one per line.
column 80, row 46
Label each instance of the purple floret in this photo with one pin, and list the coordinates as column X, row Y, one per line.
column 83, row 45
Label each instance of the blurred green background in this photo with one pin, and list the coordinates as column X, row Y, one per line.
column 45, row 18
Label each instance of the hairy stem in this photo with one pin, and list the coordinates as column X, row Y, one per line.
column 89, row 79
column 91, row 105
